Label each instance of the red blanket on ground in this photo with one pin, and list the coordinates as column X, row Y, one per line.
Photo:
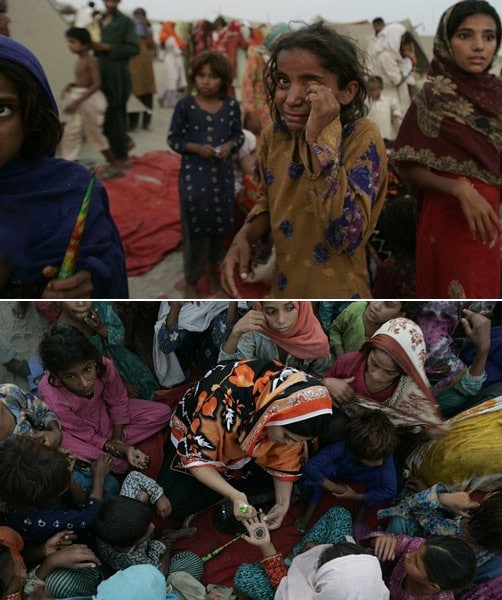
column 145, row 207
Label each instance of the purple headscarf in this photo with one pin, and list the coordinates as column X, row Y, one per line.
column 19, row 54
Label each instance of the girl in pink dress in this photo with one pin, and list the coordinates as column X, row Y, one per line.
column 83, row 388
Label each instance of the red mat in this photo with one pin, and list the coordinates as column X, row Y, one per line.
column 145, row 207
column 222, row 567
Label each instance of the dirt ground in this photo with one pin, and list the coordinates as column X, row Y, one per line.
column 23, row 335
column 159, row 282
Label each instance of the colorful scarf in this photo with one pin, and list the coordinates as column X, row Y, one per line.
column 412, row 402
column 169, row 30
column 438, row 321
column 222, row 420
column 455, row 122
column 307, row 338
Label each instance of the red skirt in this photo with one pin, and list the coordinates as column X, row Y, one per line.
column 446, row 253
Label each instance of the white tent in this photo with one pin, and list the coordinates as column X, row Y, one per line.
column 38, row 25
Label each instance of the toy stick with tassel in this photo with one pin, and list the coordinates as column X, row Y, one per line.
column 69, row 263
column 217, row 551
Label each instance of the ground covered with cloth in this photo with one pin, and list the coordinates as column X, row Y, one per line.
column 145, row 206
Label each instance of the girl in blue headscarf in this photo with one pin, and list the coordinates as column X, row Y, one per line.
column 40, row 196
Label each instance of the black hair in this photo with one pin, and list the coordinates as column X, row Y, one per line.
column 33, row 475
column 378, row 21
column 485, row 523
column 339, row 550
column 42, row 128
column 371, row 435
column 122, row 521
column 5, row 560
column 398, row 225
column 64, row 347
column 322, row 426
column 81, row 34
column 466, row 8
column 407, row 38
column 449, row 562
column 219, row 64
column 220, row 21
column 337, row 53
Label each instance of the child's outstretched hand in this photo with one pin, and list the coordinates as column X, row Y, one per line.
column 58, row 541
column 258, row 533
column 137, row 459
column 324, row 108
column 76, row 286
column 385, row 547
column 76, row 556
column 163, row 507
column 49, row 438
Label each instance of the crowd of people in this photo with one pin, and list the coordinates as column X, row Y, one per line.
column 326, row 131
column 346, row 409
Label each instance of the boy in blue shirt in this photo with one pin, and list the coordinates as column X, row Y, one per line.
column 365, row 455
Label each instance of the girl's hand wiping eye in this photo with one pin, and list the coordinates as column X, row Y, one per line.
column 324, row 108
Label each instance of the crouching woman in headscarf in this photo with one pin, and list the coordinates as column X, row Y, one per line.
column 240, row 416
